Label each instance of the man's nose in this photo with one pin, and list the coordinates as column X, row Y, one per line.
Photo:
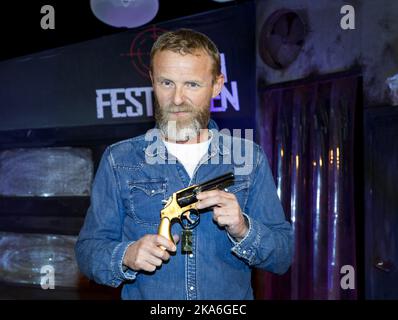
column 179, row 96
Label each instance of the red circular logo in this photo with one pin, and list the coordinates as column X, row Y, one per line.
column 140, row 49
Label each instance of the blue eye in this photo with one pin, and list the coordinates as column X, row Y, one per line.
column 193, row 85
column 166, row 83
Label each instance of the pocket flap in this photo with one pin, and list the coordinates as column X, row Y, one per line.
column 151, row 187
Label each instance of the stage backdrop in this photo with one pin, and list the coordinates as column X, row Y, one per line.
column 105, row 81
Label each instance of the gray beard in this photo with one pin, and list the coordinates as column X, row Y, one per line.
column 173, row 131
column 181, row 131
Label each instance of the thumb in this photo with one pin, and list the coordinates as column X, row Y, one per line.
column 176, row 238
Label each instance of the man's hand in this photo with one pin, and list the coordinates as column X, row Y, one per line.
column 226, row 211
column 146, row 254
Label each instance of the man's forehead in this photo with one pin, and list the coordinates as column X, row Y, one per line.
column 197, row 53
column 169, row 61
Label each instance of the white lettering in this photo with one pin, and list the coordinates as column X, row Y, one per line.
column 348, row 280
column 178, row 311
column 138, row 106
column 115, row 103
column 348, row 20
column 48, row 20
column 234, row 149
column 47, row 280
column 124, row 103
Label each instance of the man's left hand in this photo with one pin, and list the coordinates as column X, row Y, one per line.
column 226, row 211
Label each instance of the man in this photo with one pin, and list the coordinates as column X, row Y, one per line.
column 240, row 228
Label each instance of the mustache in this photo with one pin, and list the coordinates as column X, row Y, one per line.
column 182, row 108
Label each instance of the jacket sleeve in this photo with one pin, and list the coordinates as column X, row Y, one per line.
column 269, row 243
column 99, row 249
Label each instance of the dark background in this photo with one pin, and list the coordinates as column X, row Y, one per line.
column 21, row 33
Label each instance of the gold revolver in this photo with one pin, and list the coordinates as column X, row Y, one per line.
column 181, row 206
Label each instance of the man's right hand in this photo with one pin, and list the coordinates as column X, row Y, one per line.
column 146, row 255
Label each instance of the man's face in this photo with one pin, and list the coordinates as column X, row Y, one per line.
column 184, row 87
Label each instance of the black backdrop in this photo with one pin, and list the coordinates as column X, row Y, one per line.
column 58, row 88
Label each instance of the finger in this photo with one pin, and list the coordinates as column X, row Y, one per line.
column 223, row 217
column 220, row 220
column 227, row 211
column 165, row 243
column 210, row 193
column 160, row 253
column 216, row 200
column 146, row 266
column 153, row 260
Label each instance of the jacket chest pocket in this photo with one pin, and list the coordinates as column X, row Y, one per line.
column 240, row 189
column 146, row 200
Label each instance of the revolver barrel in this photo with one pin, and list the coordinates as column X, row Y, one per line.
column 188, row 196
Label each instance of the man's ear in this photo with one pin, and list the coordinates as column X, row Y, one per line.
column 218, row 84
column 150, row 75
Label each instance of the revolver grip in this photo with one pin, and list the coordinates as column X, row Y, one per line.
column 165, row 230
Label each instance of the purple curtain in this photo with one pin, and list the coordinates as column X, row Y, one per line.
column 307, row 131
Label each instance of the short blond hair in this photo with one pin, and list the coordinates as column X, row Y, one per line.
column 187, row 41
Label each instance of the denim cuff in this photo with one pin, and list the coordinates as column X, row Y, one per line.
column 246, row 248
column 233, row 240
column 121, row 274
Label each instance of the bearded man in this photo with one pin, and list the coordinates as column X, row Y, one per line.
column 240, row 228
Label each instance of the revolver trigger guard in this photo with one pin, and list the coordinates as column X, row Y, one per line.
column 191, row 223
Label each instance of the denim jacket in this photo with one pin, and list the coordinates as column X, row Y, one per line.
column 133, row 178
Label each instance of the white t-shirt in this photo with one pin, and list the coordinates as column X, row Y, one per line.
column 188, row 154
